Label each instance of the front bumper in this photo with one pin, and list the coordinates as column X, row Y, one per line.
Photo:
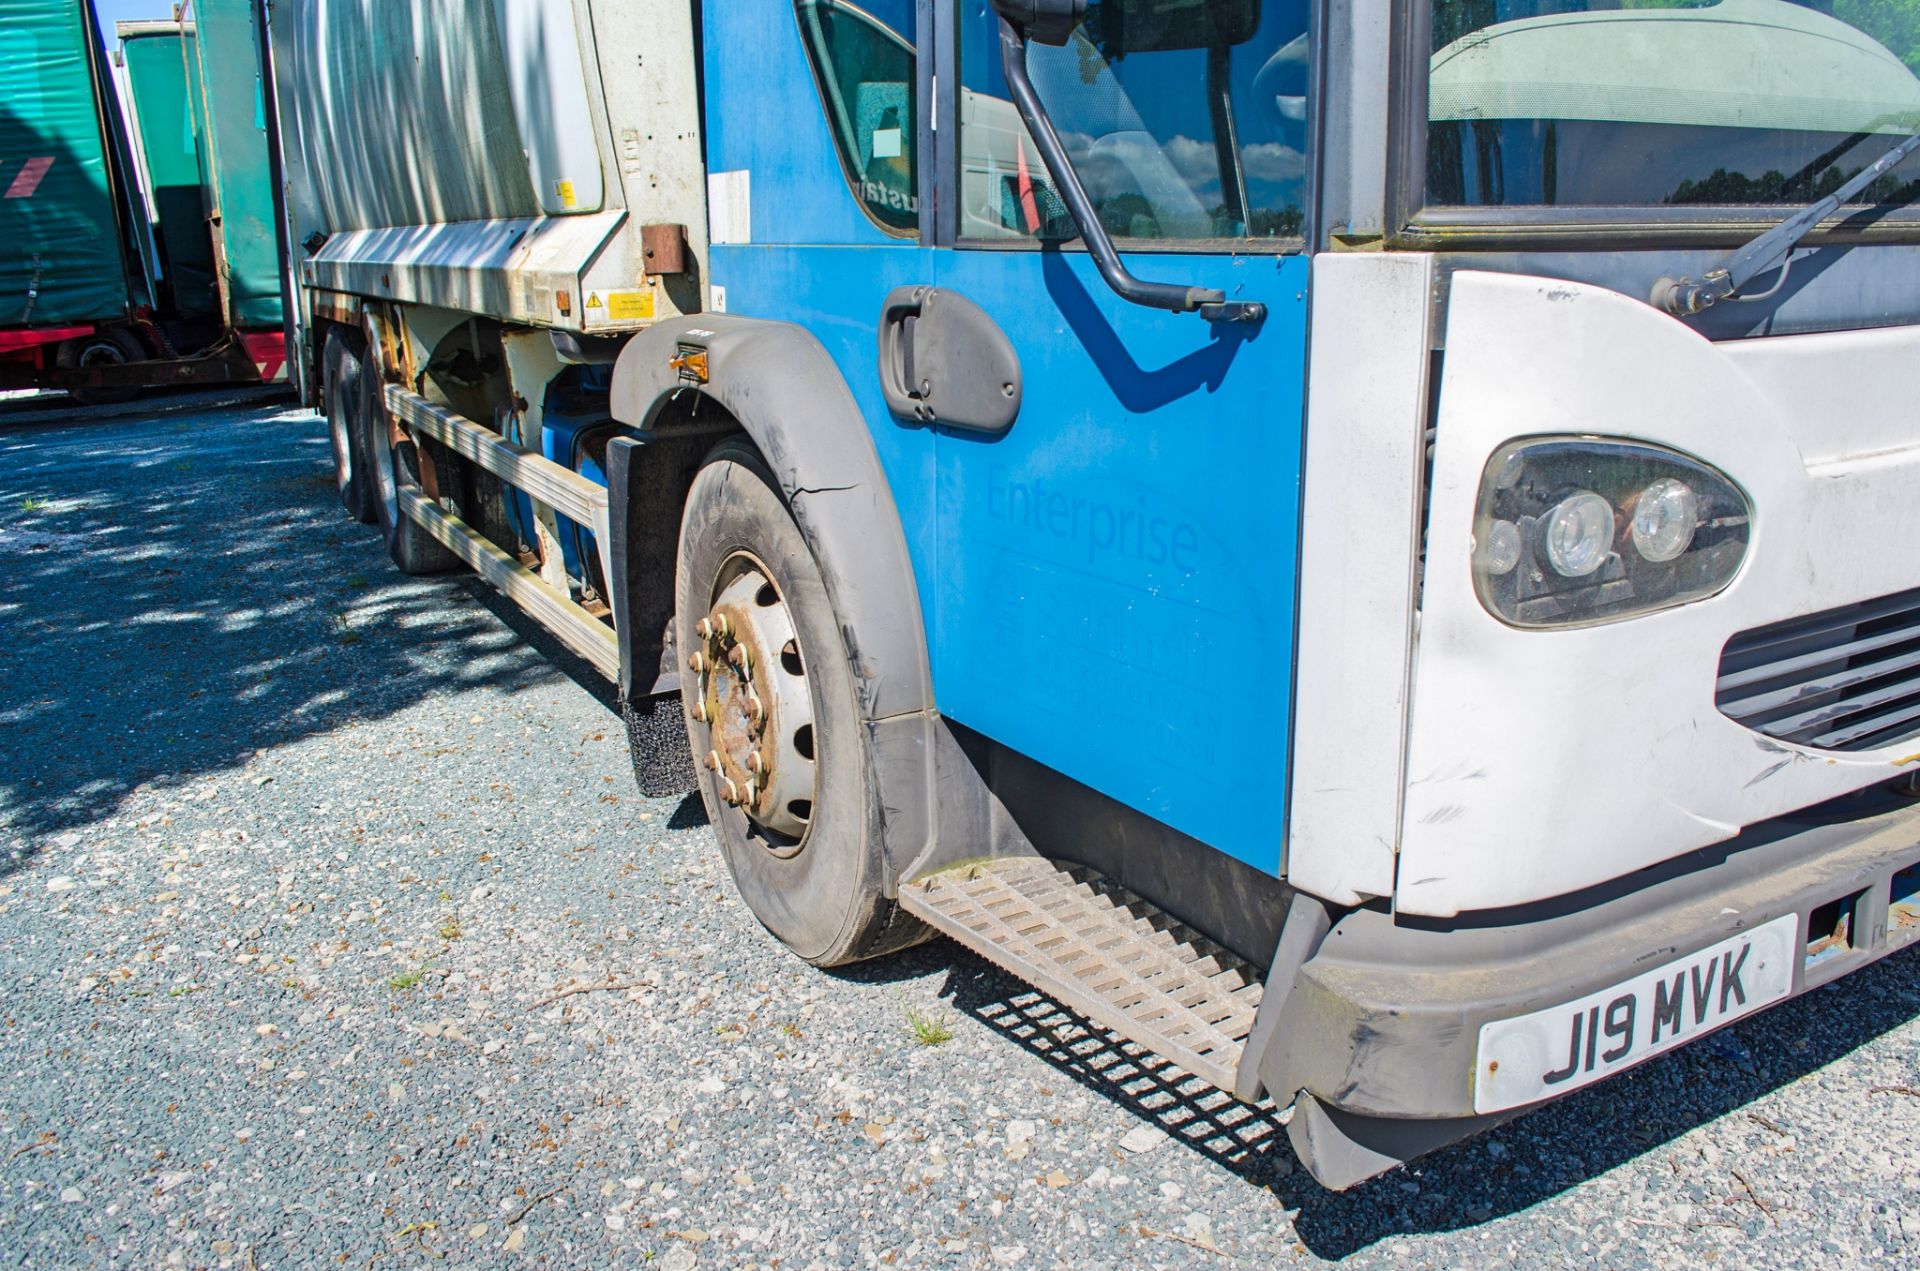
column 1382, row 1024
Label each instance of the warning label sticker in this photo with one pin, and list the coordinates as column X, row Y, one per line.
column 620, row 306
column 630, row 306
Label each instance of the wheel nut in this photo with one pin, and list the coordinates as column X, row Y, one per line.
column 712, row 761
column 703, row 629
column 753, row 794
column 754, row 765
column 697, row 663
column 729, row 791
column 738, row 656
column 700, row 709
column 755, row 711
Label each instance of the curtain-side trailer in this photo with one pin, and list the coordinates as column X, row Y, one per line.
column 71, row 284
column 1348, row 543
column 160, row 83
column 94, row 296
column 221, row 51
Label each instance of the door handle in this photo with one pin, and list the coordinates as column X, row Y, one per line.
column 906, row 394
column 943, row 361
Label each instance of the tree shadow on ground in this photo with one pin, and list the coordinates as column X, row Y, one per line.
column 1518, row 1165
column 49, row 407
column 184, row 591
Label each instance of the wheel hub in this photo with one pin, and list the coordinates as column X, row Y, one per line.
column 750, row 691
column 102, row 354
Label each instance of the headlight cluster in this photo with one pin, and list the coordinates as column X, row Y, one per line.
column 1579, row 530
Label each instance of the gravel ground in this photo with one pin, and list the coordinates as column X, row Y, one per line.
column 297, row 857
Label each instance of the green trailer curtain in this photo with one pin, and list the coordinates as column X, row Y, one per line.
column 237, row 170
column 62, row 252
column 163, row 78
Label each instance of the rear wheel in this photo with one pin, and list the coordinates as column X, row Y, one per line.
column 772, row 720
column 344, row 365
column 109, row 346
column 398, row 465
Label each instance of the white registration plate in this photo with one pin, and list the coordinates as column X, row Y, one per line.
column 1562, row 1048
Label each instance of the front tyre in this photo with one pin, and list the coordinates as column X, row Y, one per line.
column 771, row 716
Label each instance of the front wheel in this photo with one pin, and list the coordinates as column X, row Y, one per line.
column 772, row 720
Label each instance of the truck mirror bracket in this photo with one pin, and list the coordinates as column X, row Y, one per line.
column 1211, row 305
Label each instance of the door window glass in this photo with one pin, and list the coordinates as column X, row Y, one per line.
column 863, row 64
column 1184, row 119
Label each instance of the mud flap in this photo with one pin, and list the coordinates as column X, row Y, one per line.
column 644, row 523
column 657, row 736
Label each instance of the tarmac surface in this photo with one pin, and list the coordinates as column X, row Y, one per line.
column 334, row 933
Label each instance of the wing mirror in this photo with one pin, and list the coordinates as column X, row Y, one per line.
column 1138, row 26
column 1044, row 21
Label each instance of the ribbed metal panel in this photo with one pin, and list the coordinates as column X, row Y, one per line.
column 1103, row 951
column 1844, row 679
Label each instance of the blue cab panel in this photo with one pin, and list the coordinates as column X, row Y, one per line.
column 1109, row 586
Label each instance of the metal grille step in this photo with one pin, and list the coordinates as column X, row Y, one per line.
column 1102, row 951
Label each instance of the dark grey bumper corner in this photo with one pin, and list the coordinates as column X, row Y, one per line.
column 1381, row 1027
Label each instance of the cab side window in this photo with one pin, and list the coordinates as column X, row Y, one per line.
column 1186, row 121
column 864, row 69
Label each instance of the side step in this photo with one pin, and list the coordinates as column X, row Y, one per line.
column 548, row 484
column 1102, row 951
column 579, row 630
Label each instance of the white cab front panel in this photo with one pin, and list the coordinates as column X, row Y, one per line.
column 1543, row 762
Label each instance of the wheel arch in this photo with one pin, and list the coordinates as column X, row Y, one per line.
column 783, row 389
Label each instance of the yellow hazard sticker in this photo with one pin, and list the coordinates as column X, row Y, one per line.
column 629, row 306
column 565, row 190
column 619, row 306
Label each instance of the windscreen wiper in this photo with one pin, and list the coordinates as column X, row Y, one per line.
column 1683, row 297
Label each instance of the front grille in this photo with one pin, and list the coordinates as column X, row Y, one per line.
column 1846, row 679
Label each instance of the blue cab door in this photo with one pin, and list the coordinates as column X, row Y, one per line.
column 1109, row 584
column 1116, row 576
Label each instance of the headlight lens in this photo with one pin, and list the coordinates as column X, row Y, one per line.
column 1578, row 530
column 1500, row 548
column 1579, row 534
column 1665, row 515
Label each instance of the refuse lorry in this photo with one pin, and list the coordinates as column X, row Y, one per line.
column 90, row 298
column 1353, row 545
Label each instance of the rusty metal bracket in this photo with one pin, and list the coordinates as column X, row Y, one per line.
column 226, row 363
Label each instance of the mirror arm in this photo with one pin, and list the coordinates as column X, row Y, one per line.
column 1208, row 303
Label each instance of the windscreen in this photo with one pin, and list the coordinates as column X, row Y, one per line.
column 1667, row 102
